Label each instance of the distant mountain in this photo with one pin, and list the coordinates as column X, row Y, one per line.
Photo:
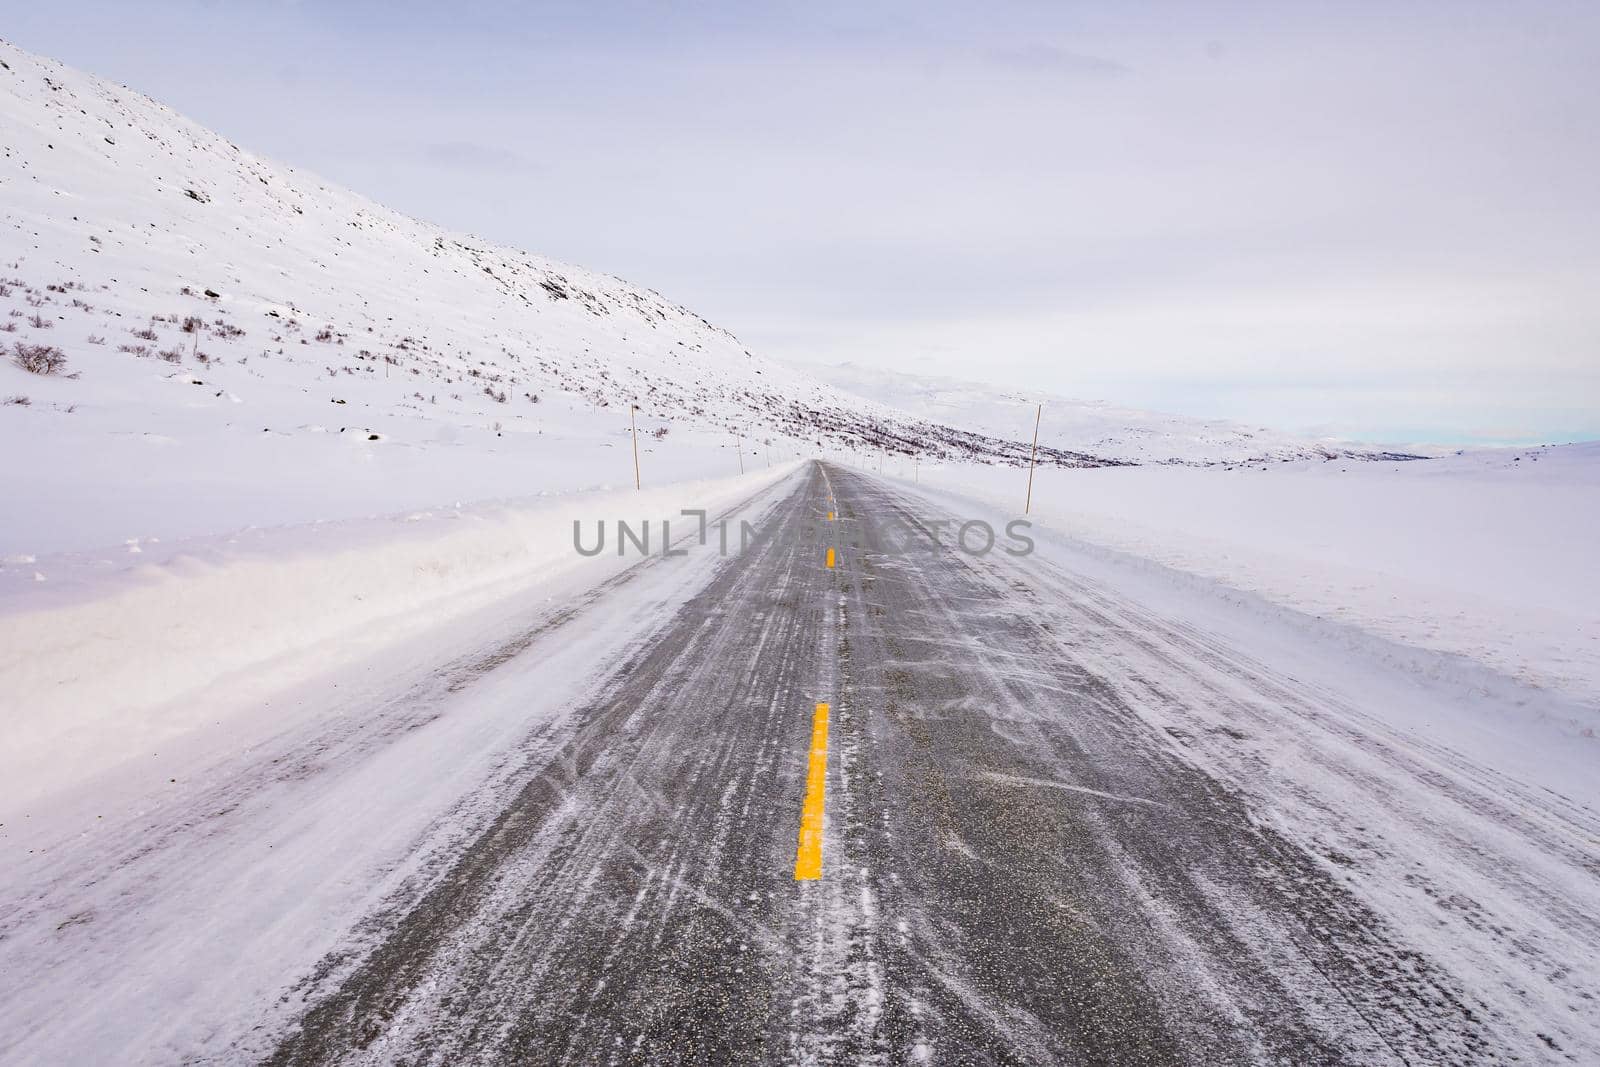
column 1080, row 427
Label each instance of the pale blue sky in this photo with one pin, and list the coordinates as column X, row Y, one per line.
column 1372, row 220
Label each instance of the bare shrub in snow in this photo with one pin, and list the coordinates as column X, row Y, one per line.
column 139, row 350
column 8, row 327
column 96, row 339
column 171, row 355
column 18, row 401
column 145, row 334
column 5, row 290
column 39, row 322
column 38, row 359
column 192, row 323
column 500, row 397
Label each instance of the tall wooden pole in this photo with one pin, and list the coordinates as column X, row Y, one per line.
column 634, row 426
column 739, row 451
column 1034, row 451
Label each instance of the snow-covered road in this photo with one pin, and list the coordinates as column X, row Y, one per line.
column 1065, row 822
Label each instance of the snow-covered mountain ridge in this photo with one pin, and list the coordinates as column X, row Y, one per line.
column 114, row 201
column 1087, row 427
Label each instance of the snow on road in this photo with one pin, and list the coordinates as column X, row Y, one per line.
column 159, row 915
column 1075, row 807
column 1460, row 803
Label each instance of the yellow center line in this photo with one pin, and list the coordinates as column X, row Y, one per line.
column 830, row 557
column 808, row 857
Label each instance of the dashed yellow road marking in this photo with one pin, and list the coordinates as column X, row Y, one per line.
column 830, row 516
column 808, row 856
column 830, row 558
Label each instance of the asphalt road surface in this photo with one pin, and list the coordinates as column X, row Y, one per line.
column 1015, row 865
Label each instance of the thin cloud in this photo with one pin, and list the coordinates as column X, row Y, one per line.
column 1048, row 59
column 478, row 158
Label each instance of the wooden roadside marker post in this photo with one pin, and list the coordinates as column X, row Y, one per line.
column 634, row 426
column 738, row 450
column 1028, row 503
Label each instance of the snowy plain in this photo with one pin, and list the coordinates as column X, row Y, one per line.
column 1484, row 556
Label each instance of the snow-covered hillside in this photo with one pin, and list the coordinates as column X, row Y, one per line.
column 1088, row 427
column 198, row 339
column 114, row 201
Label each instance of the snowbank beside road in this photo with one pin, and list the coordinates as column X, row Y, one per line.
column 1484, row 555
column 106, row 666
